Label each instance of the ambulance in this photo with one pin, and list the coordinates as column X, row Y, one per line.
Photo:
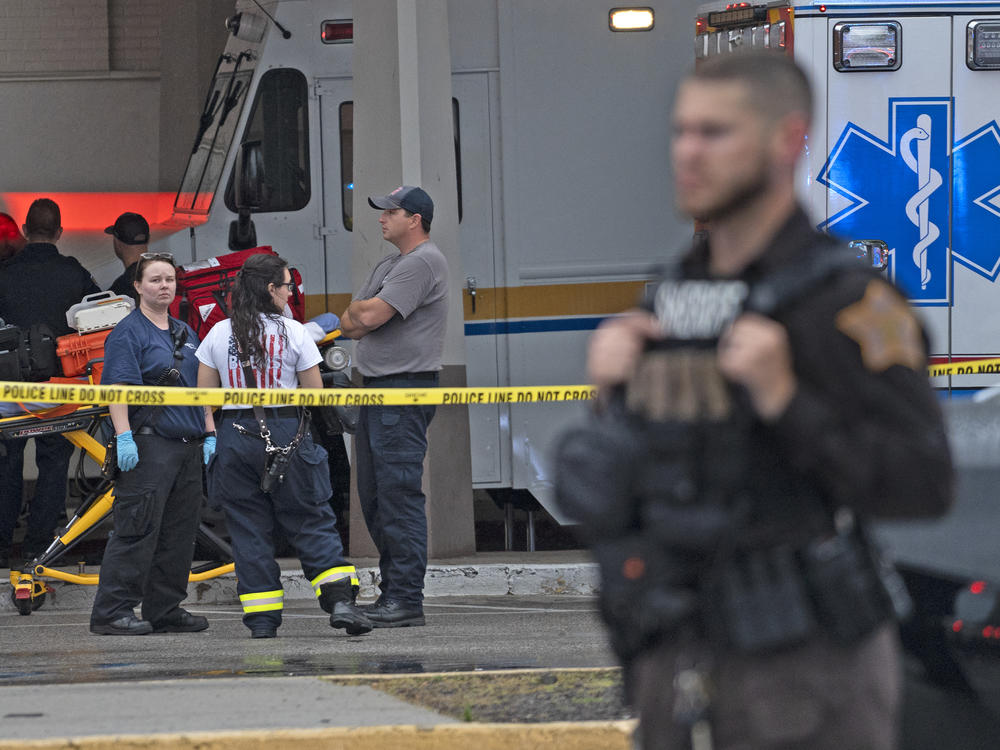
column 560, row 124
column 903, row 160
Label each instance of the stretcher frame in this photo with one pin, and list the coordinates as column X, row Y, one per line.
column 76, row 423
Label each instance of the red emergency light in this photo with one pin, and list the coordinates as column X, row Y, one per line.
column 337, row 32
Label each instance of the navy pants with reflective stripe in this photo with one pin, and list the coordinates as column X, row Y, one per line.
column 299, row 506
column 391, row 445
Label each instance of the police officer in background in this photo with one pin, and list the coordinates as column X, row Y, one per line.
column 130, row 234
column 776, row 399
column 38, row 285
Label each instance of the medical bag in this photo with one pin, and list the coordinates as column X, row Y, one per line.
column 204, row 290
column 83, row 354
column 28, row 353
column 98, row 312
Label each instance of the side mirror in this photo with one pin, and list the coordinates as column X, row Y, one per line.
column 248, row 193
column 873, row 252
column 249, row 187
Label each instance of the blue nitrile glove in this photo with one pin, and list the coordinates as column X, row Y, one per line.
column 328, row 321
column 128, row 452
column 208, row 448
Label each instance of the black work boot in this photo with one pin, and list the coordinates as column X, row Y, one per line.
column 338, row 599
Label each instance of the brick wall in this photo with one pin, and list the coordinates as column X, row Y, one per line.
column 134, row 27
column 72, row 36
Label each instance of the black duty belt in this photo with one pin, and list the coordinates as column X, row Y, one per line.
column 147, row 430
column 275, row 412
column 424, row 375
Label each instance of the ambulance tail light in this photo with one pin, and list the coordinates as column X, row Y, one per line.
column 337, row 32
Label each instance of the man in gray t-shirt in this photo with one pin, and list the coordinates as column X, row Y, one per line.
column 398, row 318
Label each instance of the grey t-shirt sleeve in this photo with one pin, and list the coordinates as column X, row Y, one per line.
column 407, row 285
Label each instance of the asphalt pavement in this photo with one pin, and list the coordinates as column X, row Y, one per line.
column 61, row 687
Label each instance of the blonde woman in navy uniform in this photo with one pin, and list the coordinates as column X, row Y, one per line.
column 281, row 354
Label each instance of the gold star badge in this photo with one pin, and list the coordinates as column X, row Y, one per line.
column 885, row 329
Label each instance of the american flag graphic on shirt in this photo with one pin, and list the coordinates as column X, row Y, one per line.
column 274, row 345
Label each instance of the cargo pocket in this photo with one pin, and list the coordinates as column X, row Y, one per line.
column 133, row 515
column 313, row 476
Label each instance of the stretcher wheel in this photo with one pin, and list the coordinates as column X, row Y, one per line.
column 27, row 605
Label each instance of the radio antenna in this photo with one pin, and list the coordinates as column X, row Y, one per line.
column 284, row 32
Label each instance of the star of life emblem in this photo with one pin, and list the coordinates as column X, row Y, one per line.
column 898, row 191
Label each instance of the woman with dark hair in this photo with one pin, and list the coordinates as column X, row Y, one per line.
column 160, row 450
column 258, row 347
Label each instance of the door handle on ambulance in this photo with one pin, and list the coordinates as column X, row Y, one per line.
column 470, row 283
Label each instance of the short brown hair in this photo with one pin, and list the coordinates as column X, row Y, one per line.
column 777, row 86
column 44, row 218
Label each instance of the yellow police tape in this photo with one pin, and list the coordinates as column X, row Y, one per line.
column 66, row 393
column 968, row 367
column 70, row 393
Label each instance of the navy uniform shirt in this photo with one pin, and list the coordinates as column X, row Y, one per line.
column 38, row 285
column 137, row 352
column 123, row 284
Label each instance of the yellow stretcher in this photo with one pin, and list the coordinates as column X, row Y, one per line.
column 78, row 424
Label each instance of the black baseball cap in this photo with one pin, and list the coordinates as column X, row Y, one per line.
column 130, row 228
column 408, row 198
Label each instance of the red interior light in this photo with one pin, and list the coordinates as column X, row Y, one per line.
column 337, row 32
column 957, row 626
column 977, row 587
column 988, row 631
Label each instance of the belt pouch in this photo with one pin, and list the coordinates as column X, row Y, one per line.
column 109, row 469
column 846, row 586
column 762, row 601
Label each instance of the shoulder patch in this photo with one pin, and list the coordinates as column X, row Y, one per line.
column 884, row 327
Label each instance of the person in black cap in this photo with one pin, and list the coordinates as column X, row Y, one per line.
column 131, row 235
column 398, row 317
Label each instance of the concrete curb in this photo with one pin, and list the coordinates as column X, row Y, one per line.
column 464, row 579
column 587, row 735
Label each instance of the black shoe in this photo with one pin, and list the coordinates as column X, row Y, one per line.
column 263, row 631
column 181, row 621
column 346, row 616
column 127, row 625
column 366, row 608
column 392, row 613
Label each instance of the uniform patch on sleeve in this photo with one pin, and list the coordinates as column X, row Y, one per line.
column 885, row 329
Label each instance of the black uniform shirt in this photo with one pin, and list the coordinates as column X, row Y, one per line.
column 123, row 284
column 38, row 285
column 864, row 429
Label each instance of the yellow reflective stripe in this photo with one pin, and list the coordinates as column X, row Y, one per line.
column 263, row 601
column 335, row 574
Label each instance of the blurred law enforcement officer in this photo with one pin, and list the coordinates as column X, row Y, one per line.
column 770, row 422
column 130, row 234
column 38, row 285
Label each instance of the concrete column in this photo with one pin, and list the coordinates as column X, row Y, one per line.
column 404, row 135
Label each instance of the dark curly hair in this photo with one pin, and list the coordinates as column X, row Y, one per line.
column 251, row 299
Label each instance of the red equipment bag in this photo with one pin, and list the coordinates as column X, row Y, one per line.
column 204, row 289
